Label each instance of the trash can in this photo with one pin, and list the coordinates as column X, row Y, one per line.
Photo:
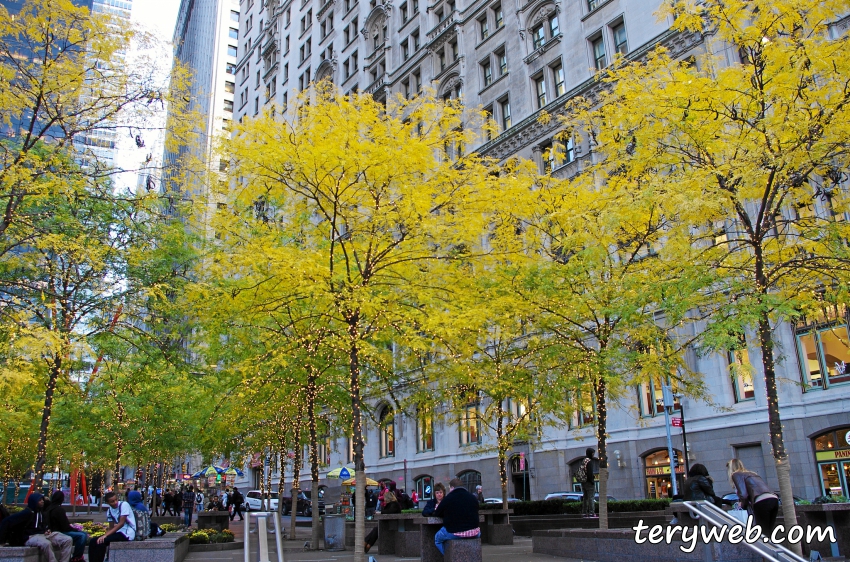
column 334, row 532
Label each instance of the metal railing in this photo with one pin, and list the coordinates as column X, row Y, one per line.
column 262, row 538
column 712, row 514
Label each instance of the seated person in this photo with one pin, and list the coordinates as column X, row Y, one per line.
column 439, row 493
column 122, row 527
column 459, row 511
column 57, row 520
column 29, row 528
column 391, row 505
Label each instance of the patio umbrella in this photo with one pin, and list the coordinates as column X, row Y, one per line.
column 335, row 472
column 232, row 471
column 350, row 482
column 208, row 471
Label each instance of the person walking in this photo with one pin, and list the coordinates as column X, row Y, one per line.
column 754, row 495
column 237, row 501
column 188, row 505
column 584, row 475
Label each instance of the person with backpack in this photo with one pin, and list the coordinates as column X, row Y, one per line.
column 188, row 505
column 122, row 527
column 57, row 520
column 237, row 501
column 199, row 501
column 584, row 475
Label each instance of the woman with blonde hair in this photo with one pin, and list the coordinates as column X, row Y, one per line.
column 754, row 495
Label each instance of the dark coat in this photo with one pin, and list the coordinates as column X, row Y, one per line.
column 749, row 486
column 699, row 488
column 429, row 508
column 459, row 510
column 57, row 519
column 391, row 507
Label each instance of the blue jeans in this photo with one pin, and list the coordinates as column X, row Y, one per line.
column 443, row 536
column 80, row 538
column 187, row 515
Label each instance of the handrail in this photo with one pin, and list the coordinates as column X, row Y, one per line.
column 767, row 550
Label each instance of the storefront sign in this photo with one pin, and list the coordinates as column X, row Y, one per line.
column 661, row 470
column 833, row 455
column 847, row 437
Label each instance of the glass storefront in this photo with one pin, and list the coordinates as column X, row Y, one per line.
column 832, row 454
column 657, row 471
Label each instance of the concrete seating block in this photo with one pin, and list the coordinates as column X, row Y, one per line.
column 163, row 549
column 407, row 544
column 463, row 550
column 20, row 554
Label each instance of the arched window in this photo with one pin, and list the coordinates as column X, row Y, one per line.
column 387, row 432
column 424, row 486
column 470, row 479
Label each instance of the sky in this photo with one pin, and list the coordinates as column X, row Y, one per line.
column 158, row 17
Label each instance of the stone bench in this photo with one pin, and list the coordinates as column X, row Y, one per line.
column 20, row 554
column 218, row 520
column 170, row 519
column 163, row 549
column 463, row 550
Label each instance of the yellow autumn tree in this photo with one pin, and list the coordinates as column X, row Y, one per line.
column 354, row 207
column 748, row 141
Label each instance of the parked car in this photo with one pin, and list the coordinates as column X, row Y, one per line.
column 303, row 506
column 499, row 500
column 254, row 501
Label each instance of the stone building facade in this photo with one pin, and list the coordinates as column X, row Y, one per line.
column 517, row 58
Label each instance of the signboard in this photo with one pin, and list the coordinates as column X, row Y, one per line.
column 676, row 422
column 344, row 474
column 662, row 470
column 833, row 455
column 522, row 461
column 256, row 461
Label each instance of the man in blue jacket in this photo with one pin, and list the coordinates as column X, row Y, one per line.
column 459, row 511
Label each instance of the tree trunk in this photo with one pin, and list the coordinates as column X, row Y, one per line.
column 599, row 389
column 314, row 462
column 503, row 459
column 777, row 442
column 41, row 455
column 296, row 477
column 357, row 436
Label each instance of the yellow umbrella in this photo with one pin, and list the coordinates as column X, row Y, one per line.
column 350, row 482
column 335, row 472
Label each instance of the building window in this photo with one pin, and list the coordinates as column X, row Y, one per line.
column 415, row 36
column 231, row 68
column 233, row 33
column 652, row 398
column 229, row 87
column 824, row 351
column 554, row 29
column 487, row 71
column 256, row 105
column 621, row 45
column 502, row 55
column 453, row 46
column 405, row 50
column 505, row 106
column 404, row 14
column 558, row 77
column 231, row 51
column 540, row 91
column 471, row 479
column 405, row 88
column 424, row 486
column 415, row 6
column 592, row 5
column 499, row 16
column 832, row 451
column 228, row 106
column 424, row 430
column 657, row 473
column 584, row 409
column 386, row 428
column 234, row 16
column 538, row 36
column 599, row 59
column 484, row 28
column 441, row 56
column 470, row 425
column 324, row 450
column 741, row 373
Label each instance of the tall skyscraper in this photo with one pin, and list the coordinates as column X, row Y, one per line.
column 204, row 43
